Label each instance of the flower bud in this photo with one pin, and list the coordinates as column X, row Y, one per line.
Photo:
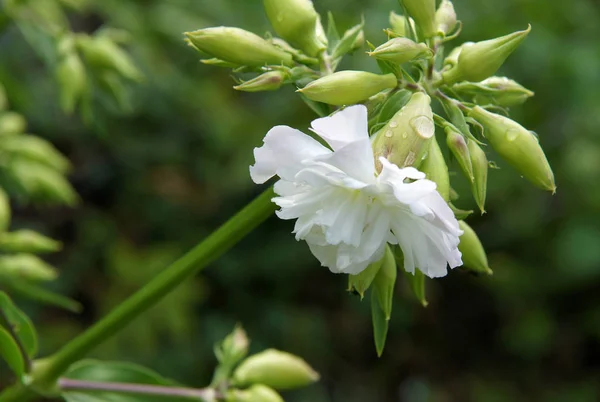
column 405, row 137
column 348, row 87
column 423, row 12
column 41, row 183
column 36, row 149
column 480, row 166
column 473, row 254
column 103, row 53
column 519, row 147
column 445, row 17
column 481, row 60
column 276, row 369
column 401, row 25
column 256, row 393
column 12, row 123
column 70, row 74
column 458, row 146
column 4, row 210
column 452, row 59
column 499, row 91
column 27, row 241
column 26, row 266
column 233, row 348
column 297, row 22
column 385, row 282
column 269, row 81
column 362, row 281
column 434, row 166
column 237, row 46
column 401, row 50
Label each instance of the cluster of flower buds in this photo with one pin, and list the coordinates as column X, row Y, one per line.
column 414, row 80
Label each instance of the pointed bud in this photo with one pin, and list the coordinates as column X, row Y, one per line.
column 269, row 81
column 297, row 22
column 348, row 87
column 519, row 147
column 458, row 146
column 434, row 166
column 404, row 139
column 71, row 77
column 362, row 281
column 480, row 166
column 276, row 369
column 238, row 46
column 385, row 282
column 401, row 50
column 401, row 25
column 12, row 123
column 481, row 60
column 499, row 91
column 452, row 59
column 423, row 12
column 103, row 53
column 473, row 254
column 27, row 241
column 256, row 393
column 445, row 17
column 41, row 183
column 26, row 266
column 4, row 210
column 233, row 348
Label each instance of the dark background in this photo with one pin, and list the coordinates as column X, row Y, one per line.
column 159, row 177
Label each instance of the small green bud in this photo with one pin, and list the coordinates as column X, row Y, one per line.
column 71, row 77
column 297, row 22
column 12, row 123
column 234, row 347
column 256, row 393
column 452, row 59
column 41, row 183
column 401, row 25
column 348, row 87
column 519, row 147
column 238, row 46
column 434, row 166
column 458, row 146
column 362, row 281
column 26, row 266
column 478, row 61
column 423, row 12
column 499, row 91
column 276, row 369
column 401, row 50
column 473, row 254
column 36, row 149
column 269, row 81
column 101, row 52
column 385, row 282
column 297, row 55
column 404, row 139
column 27, row 241
column 480, row 166
column 4, row 210
column 445, row 17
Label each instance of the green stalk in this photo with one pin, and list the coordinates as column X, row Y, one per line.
column 47, row 371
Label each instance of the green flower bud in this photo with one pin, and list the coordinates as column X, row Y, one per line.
column 297, row 22
column 41, row 183
column 434, row 166
column 27, row 241
column 473, row 254
column 423, row 12
column 26, row 266
column 269, row 81
column 404, row 139
column 452, row 59
column 519, row 147
column 70, row 74
column 256, row 393
column 401, row 25
column 480, row 166
column 362, row 281
column 445, row 17
column 499, row 91
column 36, row 149
column 102, row 52
column 297, row 55
column 480, row 60
column 401, row 50
column 233, row 348
column 385, row 282
column 238, row 46
column 458, row 146
column 348, row 87
column 4, row 210
column 12, row 123
column 276, row 369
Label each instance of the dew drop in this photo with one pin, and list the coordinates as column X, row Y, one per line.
column 512, row 134
column 389, row 134
column 393, row 124
column 405, row 135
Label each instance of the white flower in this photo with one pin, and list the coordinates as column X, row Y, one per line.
column 344, row 209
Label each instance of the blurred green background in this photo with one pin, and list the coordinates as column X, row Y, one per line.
column 160, row 176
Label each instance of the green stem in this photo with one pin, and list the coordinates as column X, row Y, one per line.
column 48, row 370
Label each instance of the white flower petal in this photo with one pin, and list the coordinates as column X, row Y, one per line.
column 346, row 126
column 355, row 159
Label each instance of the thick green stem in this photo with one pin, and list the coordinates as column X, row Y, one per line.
column 48, row 370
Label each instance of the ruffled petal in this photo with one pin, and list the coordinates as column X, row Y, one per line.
column 354, row 159
column 341, row 128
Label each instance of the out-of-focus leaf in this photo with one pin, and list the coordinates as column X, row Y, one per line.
column 21, row 324
column 26, row 266
column 393, row 105
column 38, row 293
column 27, row 241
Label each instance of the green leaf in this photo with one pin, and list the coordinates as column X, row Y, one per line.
column 20, row 323
column 333, row 36
column 393, row 105
column 380, row 324
column 319, row 108
column 9, row 350
column 119, row 372
column 346, row 44
column 417, row 284
column 42, row 295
